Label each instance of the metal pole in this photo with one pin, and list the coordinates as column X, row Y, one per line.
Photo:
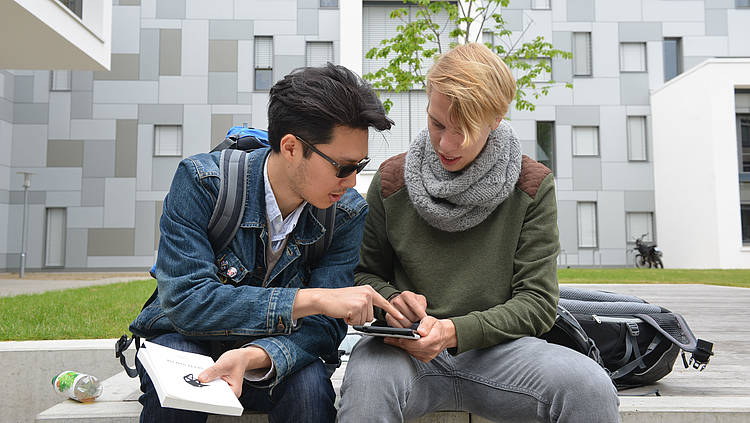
column 24, row 229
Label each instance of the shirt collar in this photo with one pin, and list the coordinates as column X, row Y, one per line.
column 279, row 228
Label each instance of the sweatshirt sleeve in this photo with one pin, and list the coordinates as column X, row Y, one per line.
column 375, row 266
column 532, row 308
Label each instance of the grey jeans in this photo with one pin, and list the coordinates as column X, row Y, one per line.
column 526, row 380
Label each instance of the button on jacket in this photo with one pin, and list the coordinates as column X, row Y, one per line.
column 222, row 297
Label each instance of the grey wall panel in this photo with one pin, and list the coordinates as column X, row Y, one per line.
column 35, row 197
column 83, row 80
column 170, row 9
column 222, row 56
column 230, row 30
column 513, row 19
column 98, row 159
column 59, row 114
column 587, row 173
column 149, row 55
column 110, row 242
column 720, row 4
column 716, row 22
column 158, row 207
column 170, row 52
column 6, row 110
column 92, row 192
column 577, row 115
column 222, row 87
column 126, row 145
column 567, row 223
column 562, row 69
column 144, row 228
column 119, row 203
column 130, row 2
column 580, row 10
column 284, row 64
column 29, row 148
column 308, row 4
column 220, row 124
column 519, row 4
column 31, row 113
column 123, row 67
column 690, row 62
column 81, row 104
column 160, row 114
column 76, row 248
column 640, row 31
column 162, row 171
column 639, row 201
column 307, row 21
column 65, row 153
column 634, row 88
column 23, row 91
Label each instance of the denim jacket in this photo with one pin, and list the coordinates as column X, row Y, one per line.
column 221, row 296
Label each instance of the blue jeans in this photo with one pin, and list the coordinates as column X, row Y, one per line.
column 526, row 380
column 304, row 396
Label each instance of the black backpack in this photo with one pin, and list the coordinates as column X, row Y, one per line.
column 227, row 217
column 636, row 342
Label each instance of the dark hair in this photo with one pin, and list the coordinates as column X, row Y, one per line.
column 310, row 102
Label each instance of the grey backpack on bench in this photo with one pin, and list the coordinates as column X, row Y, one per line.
column 636, row 342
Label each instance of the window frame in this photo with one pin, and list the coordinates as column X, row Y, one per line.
column 595, row 225
column 553, row 159
column 644, row 57
column 679, row 56
column 53, row 79
column 630, row 138
column 156, row 151
column 257, row 68
column 573, row 141
column 589, row 54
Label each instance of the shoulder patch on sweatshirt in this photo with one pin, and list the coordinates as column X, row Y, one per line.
column 532, row 175
column 392, row 175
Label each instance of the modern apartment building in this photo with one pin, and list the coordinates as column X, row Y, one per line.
column 102, row 145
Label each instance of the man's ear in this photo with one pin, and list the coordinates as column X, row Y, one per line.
column 290, row 148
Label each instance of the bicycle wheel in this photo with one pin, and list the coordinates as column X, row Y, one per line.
column 640, row 262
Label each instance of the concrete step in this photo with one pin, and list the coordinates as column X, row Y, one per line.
column 119, row 404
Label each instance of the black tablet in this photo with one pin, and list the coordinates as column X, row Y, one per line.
column 387, row 331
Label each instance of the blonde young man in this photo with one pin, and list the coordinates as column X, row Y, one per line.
column 462, row 238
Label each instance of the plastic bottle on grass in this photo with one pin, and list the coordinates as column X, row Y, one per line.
column 78, row 386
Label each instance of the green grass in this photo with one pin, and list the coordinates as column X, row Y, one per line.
column 106, row 311
column 734, row 277
column 103, row 311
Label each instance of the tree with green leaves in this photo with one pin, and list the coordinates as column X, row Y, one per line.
column 436, row 25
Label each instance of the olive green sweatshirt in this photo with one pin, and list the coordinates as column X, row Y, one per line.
column 496, row 281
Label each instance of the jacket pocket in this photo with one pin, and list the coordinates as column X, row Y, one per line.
column 230, row 267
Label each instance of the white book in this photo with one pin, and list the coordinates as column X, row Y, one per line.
column 174, row 374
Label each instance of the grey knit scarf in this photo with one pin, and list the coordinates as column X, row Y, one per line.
column 457, row 201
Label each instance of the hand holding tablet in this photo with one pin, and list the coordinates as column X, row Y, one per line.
column 387, row 331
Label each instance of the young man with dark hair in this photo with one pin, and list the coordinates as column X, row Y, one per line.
column 245, row 304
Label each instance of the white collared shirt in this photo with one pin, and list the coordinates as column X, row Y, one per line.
column 278, row 227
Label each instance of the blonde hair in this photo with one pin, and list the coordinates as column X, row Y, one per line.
column 478, row 83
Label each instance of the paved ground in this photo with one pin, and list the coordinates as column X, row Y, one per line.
column 721, row 393
column 32, row 283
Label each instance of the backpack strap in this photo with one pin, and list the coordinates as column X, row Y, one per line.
column 312, row 253
column 230, row 204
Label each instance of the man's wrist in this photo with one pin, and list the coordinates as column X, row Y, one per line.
column 257, row 358
column 449, row 333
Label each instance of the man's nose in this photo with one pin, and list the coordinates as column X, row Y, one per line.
column 350, row 181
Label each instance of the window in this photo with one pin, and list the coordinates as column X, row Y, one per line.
column 672, row 57
column 632, row 57
column 263, row 63
column 488, row 38
column 545, row 144
column 637, row 138
column 167, row 140
column 585, row 141
column 318, row 53
column 60, row 80
column 743, row 141
column 329, row 3
column 741, row 3
column 582, row 54
column 75, row 6
column 587, row 225
column 540, row 4
column 639, row 223
column 54, row 239
column 745, row 218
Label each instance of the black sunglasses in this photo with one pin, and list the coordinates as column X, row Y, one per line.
column 342, row 171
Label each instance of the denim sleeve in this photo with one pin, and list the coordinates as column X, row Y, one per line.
column 190, row 293
column 319, row 335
